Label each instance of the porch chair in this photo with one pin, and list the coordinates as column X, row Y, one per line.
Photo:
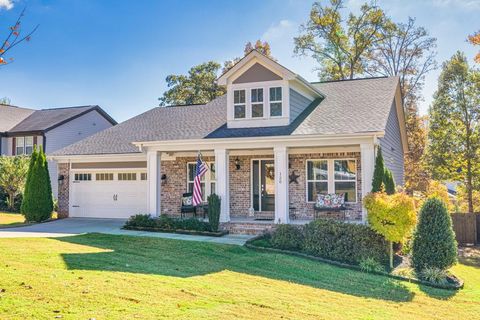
column 329, row 203
column 187, row 205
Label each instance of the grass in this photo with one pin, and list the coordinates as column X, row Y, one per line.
column 119, row 277
column 11, row 219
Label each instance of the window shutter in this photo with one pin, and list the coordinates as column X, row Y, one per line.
column 13, row 146
column 34, row 140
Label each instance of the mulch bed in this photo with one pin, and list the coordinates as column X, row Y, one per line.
column 180, row 231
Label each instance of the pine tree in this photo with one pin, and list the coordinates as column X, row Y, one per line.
column 434, row 242
column 38, row 202
column 389, row 182
column 379, row 172
column 26, row 192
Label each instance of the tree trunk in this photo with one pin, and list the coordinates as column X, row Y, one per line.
column 391, row 255
column 469, row 186
column 11, row 201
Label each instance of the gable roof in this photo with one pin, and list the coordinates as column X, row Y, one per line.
column 39, row 121
column 349, row 107
column 11, row 116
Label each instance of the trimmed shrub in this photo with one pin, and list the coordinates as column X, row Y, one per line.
column 389, row 182
column 434, row 244
column 165, row 222
column 37, row 202
column 214, row 211
column 344, row 242
column 379, row 172
column 192, row 224
column 288, row 237
column 140, row 220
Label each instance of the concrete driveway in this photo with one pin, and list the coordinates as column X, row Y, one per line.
column 76, row 226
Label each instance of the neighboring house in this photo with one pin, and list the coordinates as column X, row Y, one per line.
column 273, row 142
column 50, row 129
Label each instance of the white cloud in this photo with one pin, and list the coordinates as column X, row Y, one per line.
column 278, row 31
column 6, row 4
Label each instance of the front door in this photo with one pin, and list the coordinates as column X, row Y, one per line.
column 263, row 178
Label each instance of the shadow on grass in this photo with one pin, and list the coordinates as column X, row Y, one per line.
column 440, row 294
column 188, row 258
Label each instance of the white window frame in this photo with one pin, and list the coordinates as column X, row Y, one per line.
column 131, row 176
column 251, row 103
column 207, row 180
column 276, row 101
column 104, row 175
column 307, row 180
column 17, row 145
column 331, row 177
column 28, row 145
column 82, row 174
column 244, row 104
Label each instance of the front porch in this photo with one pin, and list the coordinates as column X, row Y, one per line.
column 264, row 186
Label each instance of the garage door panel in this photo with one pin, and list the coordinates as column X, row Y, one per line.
column 108, row 199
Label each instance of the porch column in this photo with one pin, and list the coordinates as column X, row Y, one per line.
column 222, row 184
column 281, row 184
column 367, row 156
column 153, row 181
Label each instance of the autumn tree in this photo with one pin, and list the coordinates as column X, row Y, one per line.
column 407, row 51
column 197, row 87
column 341, row 44
column 475, row 40
column 454, row 133
column 14, row 37
column 262, row 47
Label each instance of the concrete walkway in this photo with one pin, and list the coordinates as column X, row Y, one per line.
column 75, row 226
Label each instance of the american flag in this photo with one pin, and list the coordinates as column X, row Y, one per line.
column 197, row 185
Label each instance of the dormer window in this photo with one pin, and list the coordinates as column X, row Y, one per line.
column 256, row 98
column 276, row 102
column 239, row 104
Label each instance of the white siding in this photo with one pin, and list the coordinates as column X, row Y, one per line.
column 392, row 148
column 69, row 133
column 6, row 146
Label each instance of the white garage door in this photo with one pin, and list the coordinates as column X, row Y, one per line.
column 108, row 194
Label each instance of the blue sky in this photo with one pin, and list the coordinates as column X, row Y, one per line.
column 117, row 53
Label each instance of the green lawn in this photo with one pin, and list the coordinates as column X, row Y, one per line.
column 10, row 219
column 118, row 277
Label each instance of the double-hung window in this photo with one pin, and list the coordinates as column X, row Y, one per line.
column 332, row 176
column 256, row 98
column 275, row 102
column 28, row 145
column 345, row 179
column 208, row 180
column 19, row 145
column 239, row 104
column 317, row 178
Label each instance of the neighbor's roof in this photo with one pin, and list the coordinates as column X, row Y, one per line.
column 349, row 107
column 47, row 119
column 11, row 116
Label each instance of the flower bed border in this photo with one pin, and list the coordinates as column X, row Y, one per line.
column 457, row 286
column 179, row 231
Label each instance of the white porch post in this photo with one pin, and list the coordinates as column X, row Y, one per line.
column 367, row 156
column 222, row 184
column 281, row 184
column 154, row 186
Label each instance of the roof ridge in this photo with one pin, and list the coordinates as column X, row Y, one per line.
column 16, row 107
column 345, row 80
column 72, row 107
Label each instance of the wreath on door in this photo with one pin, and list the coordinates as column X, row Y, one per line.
column 270, row 173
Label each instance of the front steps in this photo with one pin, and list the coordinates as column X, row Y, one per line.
column 248, row 227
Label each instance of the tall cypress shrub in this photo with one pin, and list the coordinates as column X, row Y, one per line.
column 38, row 202
column 379, row 172
column 434, row 243
column 26, row 191
column 389, row 182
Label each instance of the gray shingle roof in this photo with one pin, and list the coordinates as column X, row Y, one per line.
column 355, row 106
column 46, row 119
column 11, row 116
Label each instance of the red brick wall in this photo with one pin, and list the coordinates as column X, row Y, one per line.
column 63, row 190
column 298, row 192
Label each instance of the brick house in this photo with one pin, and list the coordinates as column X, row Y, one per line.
column 273, row 143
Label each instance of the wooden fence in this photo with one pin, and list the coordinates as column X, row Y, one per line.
column 466, row 227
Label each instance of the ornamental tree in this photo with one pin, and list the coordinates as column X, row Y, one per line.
column 392, row 216
column 13, row 173
column 389, row 182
